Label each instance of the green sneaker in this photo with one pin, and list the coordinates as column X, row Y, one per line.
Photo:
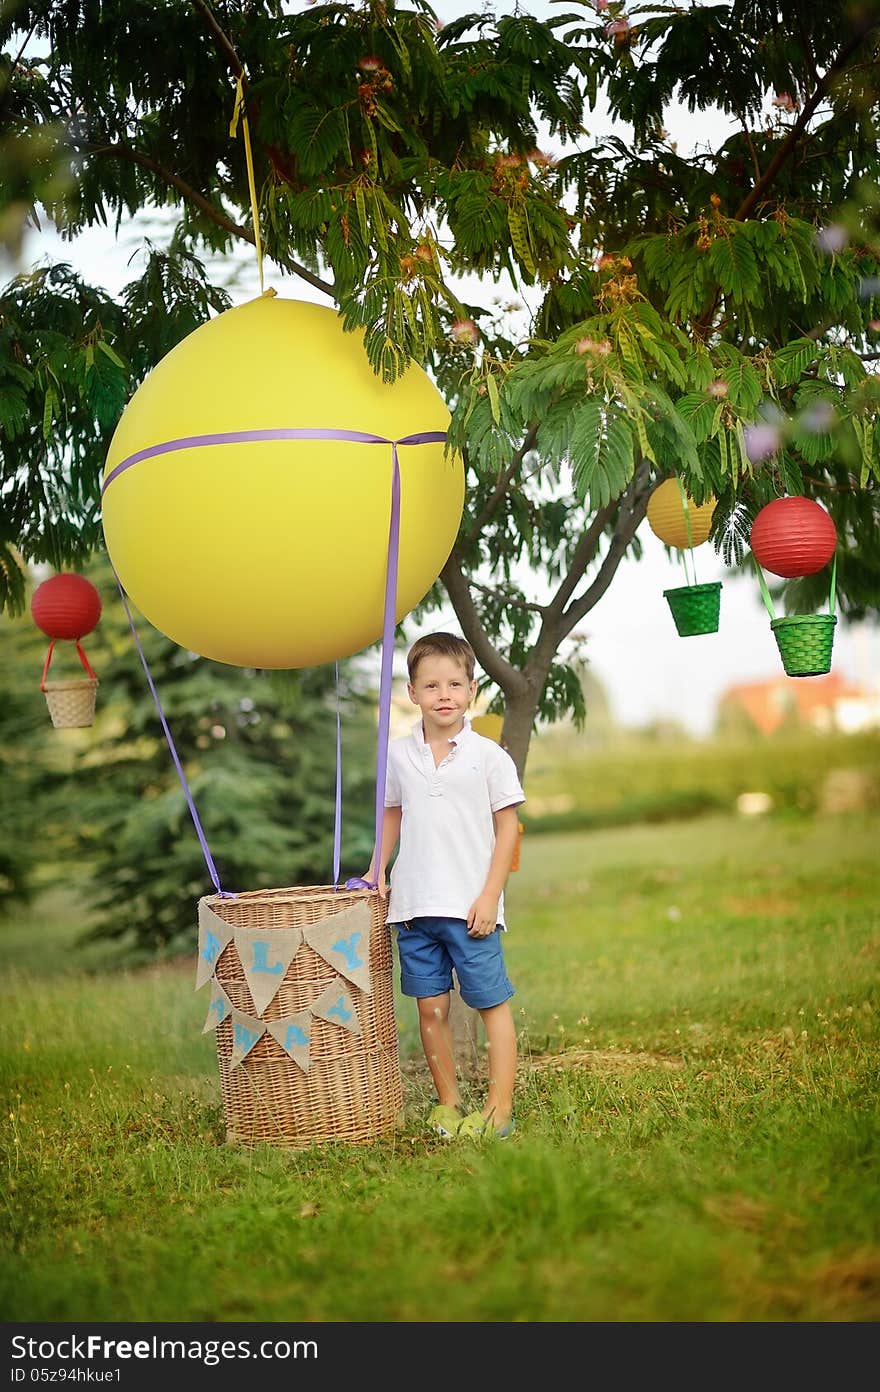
column 473, row 1126
column 445, row 1120
column 480, row 1128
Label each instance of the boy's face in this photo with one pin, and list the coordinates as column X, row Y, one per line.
column 441, row 690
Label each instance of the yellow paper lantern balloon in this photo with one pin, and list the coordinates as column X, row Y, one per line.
column 257, row 549
column 488, row 725
column 668, row 521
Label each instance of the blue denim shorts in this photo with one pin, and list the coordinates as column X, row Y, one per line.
column 429, row 949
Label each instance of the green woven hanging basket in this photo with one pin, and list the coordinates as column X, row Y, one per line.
column 695, row 608
column 805, row 642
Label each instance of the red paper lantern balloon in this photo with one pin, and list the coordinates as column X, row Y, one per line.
column 66, row 606
column 793, row 536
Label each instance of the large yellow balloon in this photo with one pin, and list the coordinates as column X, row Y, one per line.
column 668, row 520
column 272, row 553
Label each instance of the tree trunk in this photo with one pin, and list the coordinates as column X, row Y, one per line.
column 520, row 709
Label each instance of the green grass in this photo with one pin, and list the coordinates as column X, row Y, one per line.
column 577, row 785
column 697, row 1113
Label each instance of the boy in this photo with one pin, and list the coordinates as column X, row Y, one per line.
column 451, row 799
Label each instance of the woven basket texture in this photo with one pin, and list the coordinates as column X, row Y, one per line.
column 353, row 1090
column 71, row 703
column 695, row 608
column 805, row 642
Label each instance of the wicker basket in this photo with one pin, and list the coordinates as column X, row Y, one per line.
column 71, row 703
column 695, row 608
column 353, row 1090
column 805, row 642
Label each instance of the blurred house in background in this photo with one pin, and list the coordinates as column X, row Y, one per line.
column 824, row 703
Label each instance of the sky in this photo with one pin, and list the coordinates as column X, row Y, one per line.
column 648, row 672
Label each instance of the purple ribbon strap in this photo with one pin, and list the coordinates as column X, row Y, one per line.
column 209, row 860
column 235, row 437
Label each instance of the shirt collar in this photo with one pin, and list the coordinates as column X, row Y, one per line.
column 418, row 733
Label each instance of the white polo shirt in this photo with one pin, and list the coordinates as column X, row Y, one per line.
column 447, row 835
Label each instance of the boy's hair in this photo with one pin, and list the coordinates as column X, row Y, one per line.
column 441, row 645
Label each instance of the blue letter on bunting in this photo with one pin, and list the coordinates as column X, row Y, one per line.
column 212, row 947
column 261, row 960
column 295, row 1035
column 340, row 1010
column 244, row 1038
column 346, row 946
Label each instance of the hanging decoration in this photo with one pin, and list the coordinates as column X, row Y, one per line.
column 214, row 936
column 336, row 1005
column 294, row 1033
column 247, row 450
column 218, row 1008
column 265, row 954
column 681, row 523
column 246, row 1032
column 266, row 958
column 792, row 537
column 343, row 941
column 67, row 607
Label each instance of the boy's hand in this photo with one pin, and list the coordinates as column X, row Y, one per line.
column 482, row 916
column 381, row 886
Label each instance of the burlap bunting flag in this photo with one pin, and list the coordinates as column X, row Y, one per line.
column 336, row 1005
column 246, row 1031
column 218, row 1009
column 344, row 941
column 294, row 1034
column 265, row 955
column 214, row 934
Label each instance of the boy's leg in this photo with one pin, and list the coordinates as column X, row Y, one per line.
column 502, row 1051
column 438, row 1045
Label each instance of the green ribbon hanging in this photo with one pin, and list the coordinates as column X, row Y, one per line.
column 765, row 592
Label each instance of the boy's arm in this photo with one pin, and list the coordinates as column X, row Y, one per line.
column 390, row 838
column 483, row 913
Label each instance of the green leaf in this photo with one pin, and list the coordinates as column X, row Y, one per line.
column 108, row 352
column 584, row 446
column 615, row 465
column 790, row 362
column 492, row 388
column 699, row 411
column 734, row 262
column 519, row 237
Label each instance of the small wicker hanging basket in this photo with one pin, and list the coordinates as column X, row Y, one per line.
column 71, row 703
column 695, row 608
column 353, row 1089
column 805, row 642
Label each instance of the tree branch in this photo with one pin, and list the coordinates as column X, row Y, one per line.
column 199, row 201
column 581, row 556
column 507, row 598
column 501, row 483
column 640, row 491
column 791, row 140
column 506, row 676
column 223, row 42
column 786, row 149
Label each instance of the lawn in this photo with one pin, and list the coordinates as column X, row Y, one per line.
column 697, row 1111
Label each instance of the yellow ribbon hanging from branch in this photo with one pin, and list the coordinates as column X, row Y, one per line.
column 239, row 112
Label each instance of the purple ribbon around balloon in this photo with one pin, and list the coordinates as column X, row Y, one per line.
column 305, row 433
